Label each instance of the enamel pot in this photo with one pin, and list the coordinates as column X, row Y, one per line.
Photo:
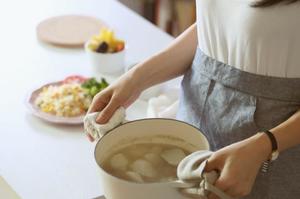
column 163, row 131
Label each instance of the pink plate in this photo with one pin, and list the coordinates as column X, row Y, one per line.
column 35, row 110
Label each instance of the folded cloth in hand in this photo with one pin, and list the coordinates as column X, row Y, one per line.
column 191, row 170
column 96, row 130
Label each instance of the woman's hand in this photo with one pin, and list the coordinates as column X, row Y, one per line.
column 120, row 94
column 239, row 165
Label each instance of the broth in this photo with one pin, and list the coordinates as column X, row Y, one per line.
column 145, row 163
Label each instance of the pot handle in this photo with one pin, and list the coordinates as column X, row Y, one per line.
column 202, row 185
column 196, row 189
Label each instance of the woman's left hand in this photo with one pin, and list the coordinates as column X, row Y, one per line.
column 239, row 165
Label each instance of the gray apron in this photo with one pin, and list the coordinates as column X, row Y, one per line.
column 229, row 105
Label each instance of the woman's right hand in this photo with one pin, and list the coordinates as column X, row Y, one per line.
column 122, row 93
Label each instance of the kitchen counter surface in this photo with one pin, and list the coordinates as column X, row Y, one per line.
column 41, row 160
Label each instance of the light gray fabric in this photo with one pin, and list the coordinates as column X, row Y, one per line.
column 191, row 170
column 229, row 105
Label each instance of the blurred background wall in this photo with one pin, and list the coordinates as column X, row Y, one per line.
column 173, row 16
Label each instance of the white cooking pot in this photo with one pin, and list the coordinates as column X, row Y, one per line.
column 165, row 131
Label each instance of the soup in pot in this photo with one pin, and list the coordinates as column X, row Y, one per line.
column 145, row 163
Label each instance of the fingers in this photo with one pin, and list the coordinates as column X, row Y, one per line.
column 97, row 106
column 212, row 196
column 213, row 164
column 106, row 104
column 227, row 184
column 237, row 174
column 108, row 111
column 99, row 102
column 91, row 139
column 222, row 184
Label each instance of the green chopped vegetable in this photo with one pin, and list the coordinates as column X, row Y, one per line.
column 92, row 86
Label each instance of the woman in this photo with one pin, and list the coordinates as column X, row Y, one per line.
column 244, row 79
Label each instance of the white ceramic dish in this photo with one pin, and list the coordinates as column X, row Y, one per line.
column 35, row 110
column 106, row 63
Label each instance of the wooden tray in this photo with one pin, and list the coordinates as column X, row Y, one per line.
column 70, row 31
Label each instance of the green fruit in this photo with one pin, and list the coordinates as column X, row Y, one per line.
column 94, row 90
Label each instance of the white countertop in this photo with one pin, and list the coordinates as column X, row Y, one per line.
column 41, row 160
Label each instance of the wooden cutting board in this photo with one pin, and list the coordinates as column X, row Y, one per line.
column 70, row 31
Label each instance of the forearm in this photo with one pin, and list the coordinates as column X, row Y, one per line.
column 169, row 63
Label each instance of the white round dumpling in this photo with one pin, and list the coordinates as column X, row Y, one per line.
column 173, row 156
column 143, row 168
column 135, row 177
column 137, row 151
column 154, row 159
column 119, row 162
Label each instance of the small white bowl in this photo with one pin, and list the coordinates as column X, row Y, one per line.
column 106, row 63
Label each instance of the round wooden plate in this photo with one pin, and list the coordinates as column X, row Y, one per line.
column 35, row 110
column 70, row 31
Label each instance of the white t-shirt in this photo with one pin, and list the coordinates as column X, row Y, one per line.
column 263, row 41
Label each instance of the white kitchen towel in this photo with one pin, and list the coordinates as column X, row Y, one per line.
column 96, row 130
column 192, row 170
column 163, row 106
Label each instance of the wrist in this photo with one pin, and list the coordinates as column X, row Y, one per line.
column 133, row 80
column 262, row 146
column 138, row 75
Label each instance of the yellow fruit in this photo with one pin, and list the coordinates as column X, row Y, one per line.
column 93, row 45
column 113, row 44
column 103, row 31
column 108, row 36
column 103, row 34
column 111, row 50
column 119, row 41
column 97, row 38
